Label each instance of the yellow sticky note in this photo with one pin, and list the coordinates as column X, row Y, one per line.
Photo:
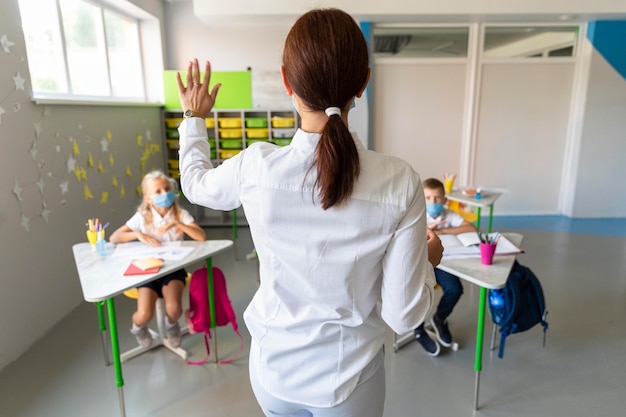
column 129, row 173
column 147, row 263
column 114, row 181
column 111, row 159
column 104, row 197
column 122, row 191
column 100, row 167
column 109, row 135
column 75, row 148
column 89, row 160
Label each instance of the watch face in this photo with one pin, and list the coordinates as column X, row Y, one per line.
column 188, row 113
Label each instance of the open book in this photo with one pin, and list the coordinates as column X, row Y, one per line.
column 465, row 245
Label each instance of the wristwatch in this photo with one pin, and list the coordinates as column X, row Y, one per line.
column 193, row 113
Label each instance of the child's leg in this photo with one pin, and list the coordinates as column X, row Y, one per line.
column 173, row 296
column 145, row 306
column 452, row 291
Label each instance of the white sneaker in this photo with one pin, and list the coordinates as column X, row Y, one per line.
column 143, row 336
column 173, row 335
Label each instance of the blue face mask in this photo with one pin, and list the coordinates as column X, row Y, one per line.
column 434, row 209
column 164, row 200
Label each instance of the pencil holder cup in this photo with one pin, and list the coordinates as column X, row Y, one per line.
column 487, row 251
column 448, row 183
column 92, row 237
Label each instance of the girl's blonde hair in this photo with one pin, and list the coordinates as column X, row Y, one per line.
column 145, row 208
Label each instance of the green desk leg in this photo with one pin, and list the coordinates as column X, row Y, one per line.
column 103, row 331
column 480, row 327
column 490, row 218
column 478, row 218
column 209, row 266
column 235, row 224
column 115, row 349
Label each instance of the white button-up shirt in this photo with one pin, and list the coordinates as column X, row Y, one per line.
column 315, row 320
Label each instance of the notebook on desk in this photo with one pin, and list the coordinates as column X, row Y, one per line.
column 144, row 266
column 465, row 245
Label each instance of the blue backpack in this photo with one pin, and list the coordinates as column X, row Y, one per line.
column 518, row 306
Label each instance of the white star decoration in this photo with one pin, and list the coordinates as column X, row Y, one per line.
column 6, row 43
column 64, row 187
column 71, row 164
column 104, row 144
column 148, row 135
column 24, row 222
column 40, row 184
column 37, row 129
column 33, row 151
column 45, row 212
column 17, row 190
column 19, row 82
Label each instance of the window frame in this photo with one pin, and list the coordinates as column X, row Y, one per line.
column 148, row 33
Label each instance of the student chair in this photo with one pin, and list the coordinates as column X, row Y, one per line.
column 158, row 336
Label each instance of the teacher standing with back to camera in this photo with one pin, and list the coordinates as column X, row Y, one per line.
column 340, row 231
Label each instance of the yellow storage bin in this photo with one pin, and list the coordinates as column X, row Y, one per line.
column 256, row 133
column 172, row 163
column 210, row 122
column 230, row 133
column 229, row 121
column 174, row 173
column 228, row 153
column 283, row 121
column 173, row 121
column 172, row 143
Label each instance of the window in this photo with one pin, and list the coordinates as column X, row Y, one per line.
column 84, row 50
column 530, row 41
column 420, row 42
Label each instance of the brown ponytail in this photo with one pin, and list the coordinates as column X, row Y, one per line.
column 326, row 63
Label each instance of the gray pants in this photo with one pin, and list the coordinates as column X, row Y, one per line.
column 367, row 399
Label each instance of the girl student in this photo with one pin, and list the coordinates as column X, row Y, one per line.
column 158, row 219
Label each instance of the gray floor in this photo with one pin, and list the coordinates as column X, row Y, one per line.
column 580, row 372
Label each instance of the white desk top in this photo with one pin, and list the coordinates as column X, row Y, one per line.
column 486, row 200
column 488, row 276
column 102, row 277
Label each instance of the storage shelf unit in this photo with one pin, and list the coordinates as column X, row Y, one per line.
column 229, row 132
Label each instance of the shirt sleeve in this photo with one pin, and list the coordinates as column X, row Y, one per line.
column 216, row 188
column 186, row 217
column 408, row 276
column 453, row 218
column 136, row 222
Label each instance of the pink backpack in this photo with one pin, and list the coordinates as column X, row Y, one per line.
column 198, row 316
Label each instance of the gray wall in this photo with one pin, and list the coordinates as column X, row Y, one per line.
column 44, row 214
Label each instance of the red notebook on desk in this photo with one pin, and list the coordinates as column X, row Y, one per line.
column 144, row 266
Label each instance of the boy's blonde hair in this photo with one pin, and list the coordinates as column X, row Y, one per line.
column 144, row 208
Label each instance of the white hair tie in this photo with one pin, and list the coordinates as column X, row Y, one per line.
column 333, row 110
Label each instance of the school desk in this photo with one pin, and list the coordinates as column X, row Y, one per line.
column 486, row 277
column 487, row 199
column 102, row 278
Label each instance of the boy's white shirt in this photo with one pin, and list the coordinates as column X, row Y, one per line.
column 451, row 219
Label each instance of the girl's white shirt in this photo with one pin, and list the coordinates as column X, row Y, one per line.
column 329, row 279
column 138, row 222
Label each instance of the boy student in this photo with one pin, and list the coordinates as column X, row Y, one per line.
column 442, row 221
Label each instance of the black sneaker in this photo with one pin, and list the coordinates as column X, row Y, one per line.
column 442, row 331
column 423, row 338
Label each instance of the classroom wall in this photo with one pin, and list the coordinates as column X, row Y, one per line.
column 599, row 173
column 59, row 165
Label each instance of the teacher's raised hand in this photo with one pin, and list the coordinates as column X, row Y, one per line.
column 195, row 96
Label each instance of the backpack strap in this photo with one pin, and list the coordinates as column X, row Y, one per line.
column 207, row 336
column 221, row 292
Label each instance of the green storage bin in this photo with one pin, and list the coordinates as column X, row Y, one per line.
column 282, row 142
column 256, row 122
column 230, row 143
